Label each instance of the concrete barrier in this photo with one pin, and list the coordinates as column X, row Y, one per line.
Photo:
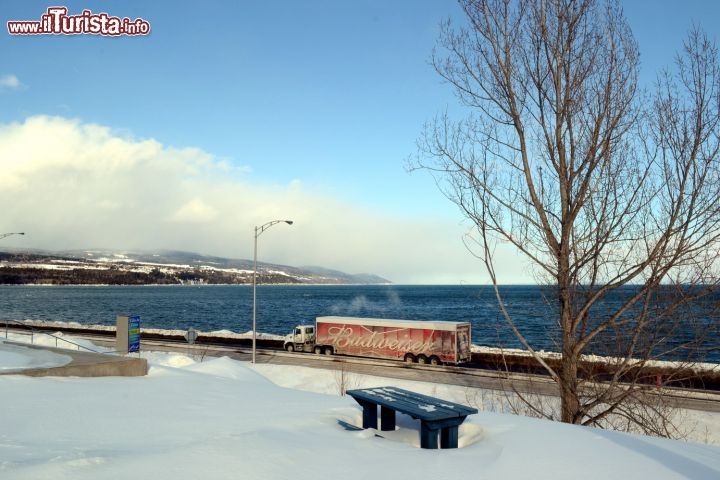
column 86, row 364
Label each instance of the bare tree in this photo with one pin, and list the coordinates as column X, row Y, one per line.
column 345, row 380
column 612, row 194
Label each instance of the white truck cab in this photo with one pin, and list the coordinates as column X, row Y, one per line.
column 301, row 339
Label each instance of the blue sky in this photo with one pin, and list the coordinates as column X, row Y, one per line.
column 230, row 114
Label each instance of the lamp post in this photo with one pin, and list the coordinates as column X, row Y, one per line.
column 3, row 235
column 258, row 231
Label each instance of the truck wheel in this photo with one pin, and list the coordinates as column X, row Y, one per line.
column 328, row 351
column 434, row 360
column 409, row 358
column 318, row 350
column 422, row 359
column 290, row 347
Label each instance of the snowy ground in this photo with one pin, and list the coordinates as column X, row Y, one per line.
column 220, row 418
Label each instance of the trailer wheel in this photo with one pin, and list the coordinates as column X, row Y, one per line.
column 409, row 358
column 318, row 350
column 328, row 351
column 422, row 359
column 434, row 360
column 290, row 347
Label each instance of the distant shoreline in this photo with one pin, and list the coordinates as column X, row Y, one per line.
column 162, row 268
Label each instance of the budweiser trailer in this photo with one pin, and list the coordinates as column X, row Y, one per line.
column 433, row 342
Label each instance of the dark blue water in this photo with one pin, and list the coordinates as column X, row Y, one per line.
column 279, row 308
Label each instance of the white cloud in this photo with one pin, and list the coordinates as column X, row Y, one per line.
column 10, row 82
column 194, row 211
column 70, row 184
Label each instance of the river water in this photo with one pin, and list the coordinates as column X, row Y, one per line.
column 280, row 307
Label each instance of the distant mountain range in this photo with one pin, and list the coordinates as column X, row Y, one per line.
column 163, row 267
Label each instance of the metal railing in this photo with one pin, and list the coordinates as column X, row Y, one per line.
column 33, row 332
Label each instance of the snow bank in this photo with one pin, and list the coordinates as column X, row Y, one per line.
column 223, row 419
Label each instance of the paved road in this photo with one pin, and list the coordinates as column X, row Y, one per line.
column 474, row 378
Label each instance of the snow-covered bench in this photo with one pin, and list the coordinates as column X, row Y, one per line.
column 435, row 415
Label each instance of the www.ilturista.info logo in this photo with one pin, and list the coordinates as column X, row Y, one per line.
column 57, row 22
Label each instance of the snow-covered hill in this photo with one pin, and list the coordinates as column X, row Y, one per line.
column 156, row 267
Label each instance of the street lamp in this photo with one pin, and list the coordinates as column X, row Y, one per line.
column 3, row 235
column 259, row 230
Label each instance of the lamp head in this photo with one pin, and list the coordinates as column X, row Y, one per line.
column 289, row 222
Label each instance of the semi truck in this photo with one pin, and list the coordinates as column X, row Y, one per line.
column 432, row 342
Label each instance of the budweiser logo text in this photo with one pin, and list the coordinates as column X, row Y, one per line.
column 344, row 337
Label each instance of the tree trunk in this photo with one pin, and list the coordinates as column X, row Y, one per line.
column 569, row 400
column 568, row 379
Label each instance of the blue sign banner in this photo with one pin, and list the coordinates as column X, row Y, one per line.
column 134, row 334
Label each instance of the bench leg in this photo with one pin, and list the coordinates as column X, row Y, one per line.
column 369, row 414
column 449, row 437
column 428, row 436
column 387, row 419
